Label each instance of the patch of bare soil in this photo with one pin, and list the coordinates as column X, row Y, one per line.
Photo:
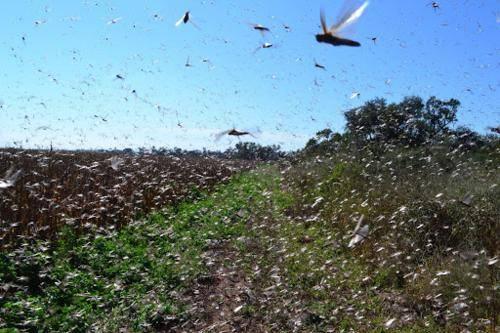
column 219, row 301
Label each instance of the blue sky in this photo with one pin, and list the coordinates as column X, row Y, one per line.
column 60, row 60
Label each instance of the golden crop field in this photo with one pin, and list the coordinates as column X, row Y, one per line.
column 90, row 189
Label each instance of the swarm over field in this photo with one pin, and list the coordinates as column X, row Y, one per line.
column 391, row 226
column 95, row 189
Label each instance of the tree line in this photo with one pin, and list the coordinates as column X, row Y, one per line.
column 412, row 122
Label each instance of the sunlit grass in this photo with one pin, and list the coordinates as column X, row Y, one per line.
column 122, row 279
column 428, row 263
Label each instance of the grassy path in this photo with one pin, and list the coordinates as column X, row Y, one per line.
column 136, row 279
column 244, row 258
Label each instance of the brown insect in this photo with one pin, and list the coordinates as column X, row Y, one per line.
column 331, row 35
column 232, row 132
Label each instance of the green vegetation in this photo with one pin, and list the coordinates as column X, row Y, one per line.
column 124, row 279
column 429, row 260
column 278, row 249
column 429, row 196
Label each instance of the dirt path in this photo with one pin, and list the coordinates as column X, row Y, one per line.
column 219, row 301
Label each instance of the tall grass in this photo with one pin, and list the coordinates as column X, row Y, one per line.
column 88, row 190
column 433, row 216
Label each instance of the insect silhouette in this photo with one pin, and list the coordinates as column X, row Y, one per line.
column 260, row 28
column 318, row 65
column 331, row 35
column 355, row 95
column 185, row 19
column 232, row 132
column 435, row 5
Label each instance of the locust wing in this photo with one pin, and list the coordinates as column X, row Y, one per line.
column 349, row 17
column 218, row 136
column 323, row 21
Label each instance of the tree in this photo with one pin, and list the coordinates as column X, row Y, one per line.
column 253, row 151
column 440, row 114
column 410, row 122
column 325, row 140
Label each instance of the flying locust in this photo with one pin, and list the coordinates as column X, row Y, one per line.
column 331, row 35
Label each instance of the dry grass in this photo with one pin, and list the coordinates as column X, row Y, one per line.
column 428, row 245
column 87, row 190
